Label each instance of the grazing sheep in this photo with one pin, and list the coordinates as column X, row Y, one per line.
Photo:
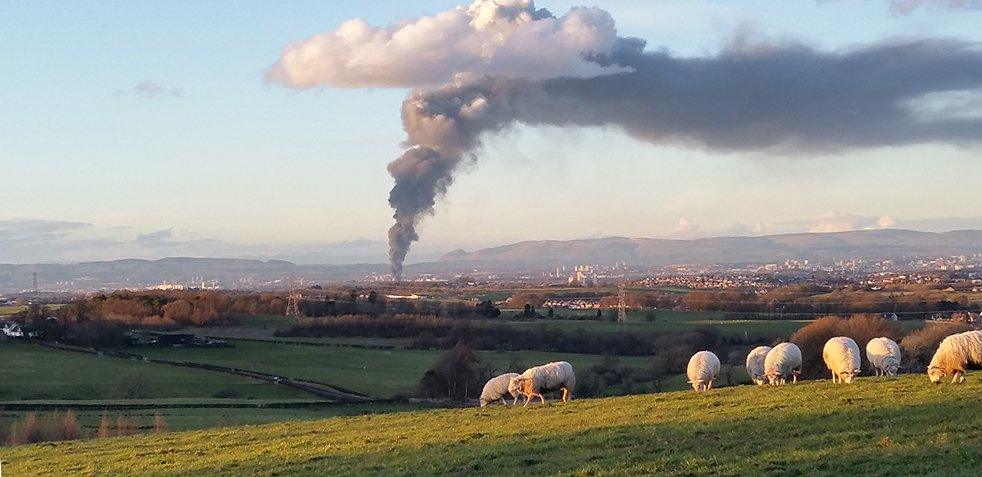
column 496, row 388
column 954, row 355
column 755, row 364
column 542, row 379
column 884, row 355
column 782, row 362
column 702, row 370
column 842, row 357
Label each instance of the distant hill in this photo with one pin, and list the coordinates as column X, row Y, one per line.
column 870, row 244
column 231, row 272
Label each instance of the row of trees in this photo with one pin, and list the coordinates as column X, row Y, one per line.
column 444, row 333
column 812, row 299
column 57, row 426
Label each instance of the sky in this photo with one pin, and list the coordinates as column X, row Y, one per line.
column 150, row 129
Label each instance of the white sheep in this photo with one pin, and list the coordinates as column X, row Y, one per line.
column 542, row 379
column 781, row 363
column 954, row 354
column 842, row 357
column 496, row 389
column 702, row 370
column 755, row 364
column 884, row 355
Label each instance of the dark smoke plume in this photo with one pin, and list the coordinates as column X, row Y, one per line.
column 785, row 98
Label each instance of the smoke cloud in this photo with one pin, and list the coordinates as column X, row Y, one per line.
column 784, row 97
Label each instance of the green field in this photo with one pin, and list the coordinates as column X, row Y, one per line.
column 33, row 372
column 375, row 372
column 11, row 309
column 877, row 426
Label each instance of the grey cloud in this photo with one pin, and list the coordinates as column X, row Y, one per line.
column 149, row 90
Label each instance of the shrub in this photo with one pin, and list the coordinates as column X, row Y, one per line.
column 133, row 386
column 104, row 426
column 919, row 346
column 125, row 426
column 159, row 423
column 69, row 426
column 458, row 374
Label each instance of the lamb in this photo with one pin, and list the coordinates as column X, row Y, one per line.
column 496, row 388
column 542, row 379
column 884, row 355
column 782, row 362
column 755, row 364
column 842, row 357
column 954, row 354
column 702, row 370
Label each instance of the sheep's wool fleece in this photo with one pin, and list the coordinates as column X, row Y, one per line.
column 496, row 387
column 703, row 367
column 841, row 355
column 883, row 352
column 755, row 361
column 551, row 376
column 784, row 358
column 959, row 349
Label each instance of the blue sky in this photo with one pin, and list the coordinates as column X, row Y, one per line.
column 213, row 154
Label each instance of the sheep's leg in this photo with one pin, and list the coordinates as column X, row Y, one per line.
column 503, row 402
column 710, row 385
column 528, row 397
column 543, row 398
column 565, row 394
column 514, row 401
column 794, row 378
column 958, row 377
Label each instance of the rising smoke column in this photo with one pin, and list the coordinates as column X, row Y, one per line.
column 505, row 63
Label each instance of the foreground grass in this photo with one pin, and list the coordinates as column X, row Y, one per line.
column 375, row 372
column 33, row 372
column 875, row 427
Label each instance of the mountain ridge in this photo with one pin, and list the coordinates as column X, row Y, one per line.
column 880, row 243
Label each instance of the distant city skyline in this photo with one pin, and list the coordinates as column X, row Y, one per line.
column 145, row 130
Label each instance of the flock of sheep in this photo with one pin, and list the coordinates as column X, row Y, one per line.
column 765, row 365
column 842, row 357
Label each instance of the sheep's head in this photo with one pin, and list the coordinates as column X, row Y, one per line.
column 848, row 376
column 760, row 380
column 936, row 374
column 773, row 378
column 696, row 385
column 515, row 386
column 892, row 370
column 483, row 403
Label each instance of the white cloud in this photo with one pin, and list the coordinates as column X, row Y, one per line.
column 686, row 229
column 490, row 37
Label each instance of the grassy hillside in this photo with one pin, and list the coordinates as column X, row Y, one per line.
column 33, row 372
column 374, row 372
column 875, row 427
